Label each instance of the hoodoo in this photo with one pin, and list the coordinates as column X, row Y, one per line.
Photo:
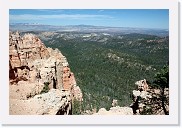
column 40, row 80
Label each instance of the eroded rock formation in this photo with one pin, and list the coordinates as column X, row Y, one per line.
column 146, row 101
column 115, row 111
column 142, row 85
column 32, row 67
column 149, row 100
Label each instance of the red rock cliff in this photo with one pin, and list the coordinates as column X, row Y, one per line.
column 32, row 65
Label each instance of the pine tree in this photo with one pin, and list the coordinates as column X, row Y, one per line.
column 162, row 81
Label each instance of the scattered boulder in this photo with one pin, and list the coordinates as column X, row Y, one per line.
column 114, row 103
column 142, row 85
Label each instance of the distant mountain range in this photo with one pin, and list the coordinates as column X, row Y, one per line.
column 86, row 28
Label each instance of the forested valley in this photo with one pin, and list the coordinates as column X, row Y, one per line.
column 107, row 65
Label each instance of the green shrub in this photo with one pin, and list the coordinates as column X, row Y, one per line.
column 46, row 88
column 76, row 107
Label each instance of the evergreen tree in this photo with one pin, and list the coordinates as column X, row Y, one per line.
column 162, row 81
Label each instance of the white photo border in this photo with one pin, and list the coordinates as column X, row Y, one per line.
column 171, row 119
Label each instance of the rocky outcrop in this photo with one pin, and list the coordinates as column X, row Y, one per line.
column 142, row 85
column 115, row 111
column 32, row 67
column 146, row 101
column 55, row 102
column 149, row 100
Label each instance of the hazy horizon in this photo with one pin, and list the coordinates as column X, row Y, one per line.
column 130, row 18
column 86, row 25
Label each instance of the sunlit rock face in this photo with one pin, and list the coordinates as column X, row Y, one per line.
column 147, row 100
column 32, row 67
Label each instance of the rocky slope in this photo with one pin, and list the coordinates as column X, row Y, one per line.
column 40, row 76
column 148, row 101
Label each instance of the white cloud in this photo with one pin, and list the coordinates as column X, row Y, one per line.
column 51, row 10
column 100, row 10
column 61, row 16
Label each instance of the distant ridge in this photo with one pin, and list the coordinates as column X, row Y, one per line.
column 86, row 28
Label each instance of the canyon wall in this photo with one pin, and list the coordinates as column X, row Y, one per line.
column 36, row 71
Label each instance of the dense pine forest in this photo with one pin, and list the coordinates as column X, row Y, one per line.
column 107, row 65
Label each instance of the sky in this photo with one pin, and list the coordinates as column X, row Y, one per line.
column 137, row 18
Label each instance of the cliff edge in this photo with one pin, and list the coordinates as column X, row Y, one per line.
column 40, row 80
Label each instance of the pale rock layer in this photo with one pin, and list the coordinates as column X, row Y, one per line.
column 31, row 66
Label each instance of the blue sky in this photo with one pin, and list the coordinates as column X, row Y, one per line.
column 140, row 18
